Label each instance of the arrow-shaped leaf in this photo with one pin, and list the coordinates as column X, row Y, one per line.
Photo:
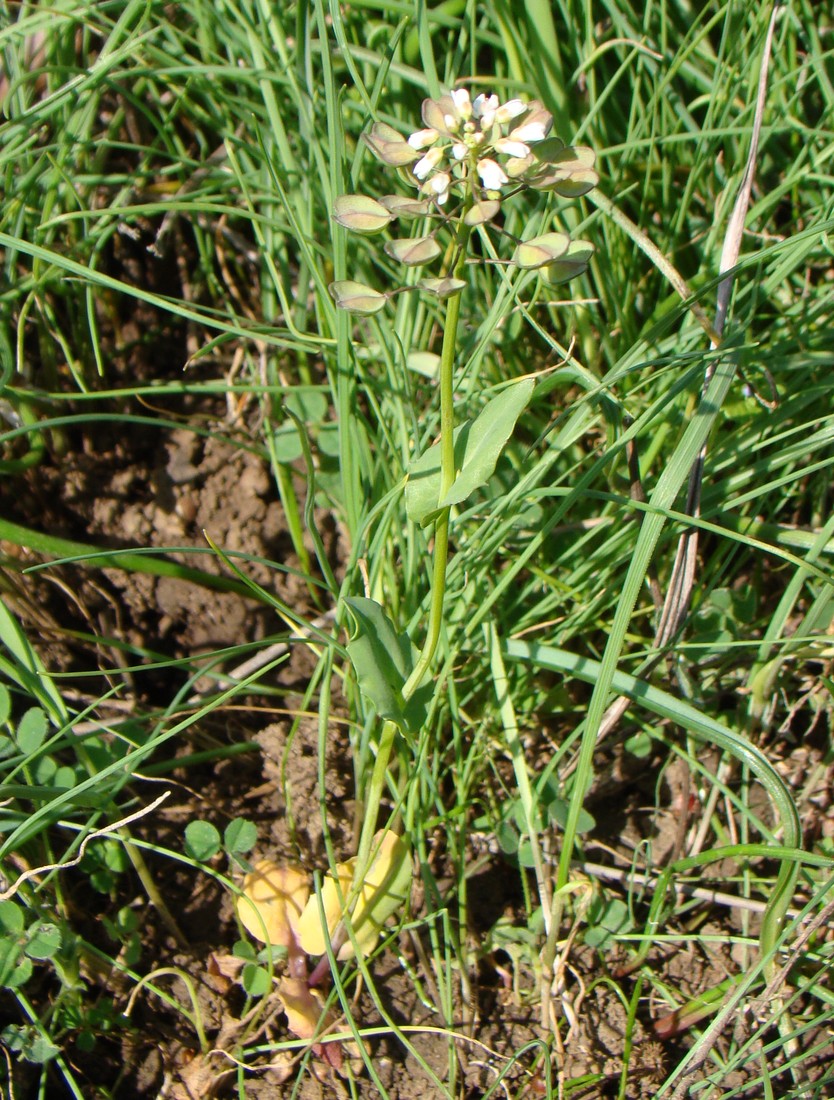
column 478, row 446
column 382, row 659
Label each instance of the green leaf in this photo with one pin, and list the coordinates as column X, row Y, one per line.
column 423, row 486
column 45, row 771
column 11, row 917
column 114, row 855
column 426, row 363
column 356, row 297
column 26, row 668
column 606, row 918
column 31, row 730
column 15, row 969
column 558, row 812
column 44, row 940
column 5, row 703
column 202, row 840
column 27, row 1041
column 487, row 439
column 508, row 838
column 65, row 778
column 240, row 836
column 413, row 251
column 383, row 660
column 255, row 980
column 10, row 961
column 360, row 213
column 478, row 446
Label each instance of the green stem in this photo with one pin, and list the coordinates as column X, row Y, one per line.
column 440, row 560
column 447, row 478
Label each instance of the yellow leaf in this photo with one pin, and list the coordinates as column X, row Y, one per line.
column 385, row 889
column 310, row 930
column 274, row 896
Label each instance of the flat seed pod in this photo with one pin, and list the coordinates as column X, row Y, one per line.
column 539, row 251
column 442, row 288
column 361, row 214
column 578, row 183
column 413, row 251
column 402, row 206
column 390, row 146
column 481, row 212
column 573, row 263
column 356, row 297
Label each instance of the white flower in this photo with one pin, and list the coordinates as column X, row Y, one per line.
column 484, row 104
column 461, row 100
column 528, row 131
column 511, row 148
column 422, row 138
column 510, row 110
column 431, row 160
column 492, row 174
column 438, row 187
column 535, row 127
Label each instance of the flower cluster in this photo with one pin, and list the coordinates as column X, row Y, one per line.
column 469, row 135
column 470, row 149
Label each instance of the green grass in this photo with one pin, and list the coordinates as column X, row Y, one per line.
column 202, row 146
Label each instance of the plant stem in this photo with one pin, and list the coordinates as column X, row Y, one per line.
column 440, row 560
column 447, row 477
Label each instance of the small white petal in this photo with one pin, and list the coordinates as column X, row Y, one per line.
column 485, row 103
column 452, row 123
column 511, row 109
column 428, row 162
column 492, row 174
column 438, row 187
column 458, row 150
column 421, row 138
column 511, row 148
column 462, row 102
column 529, row 131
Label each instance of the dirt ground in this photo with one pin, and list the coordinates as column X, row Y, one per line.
column 161, row 483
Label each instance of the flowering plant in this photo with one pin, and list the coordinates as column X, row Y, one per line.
column 470, row 156
column 478, row 152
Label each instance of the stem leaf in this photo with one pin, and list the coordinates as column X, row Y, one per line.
column 383, row 659
column 478, row 446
